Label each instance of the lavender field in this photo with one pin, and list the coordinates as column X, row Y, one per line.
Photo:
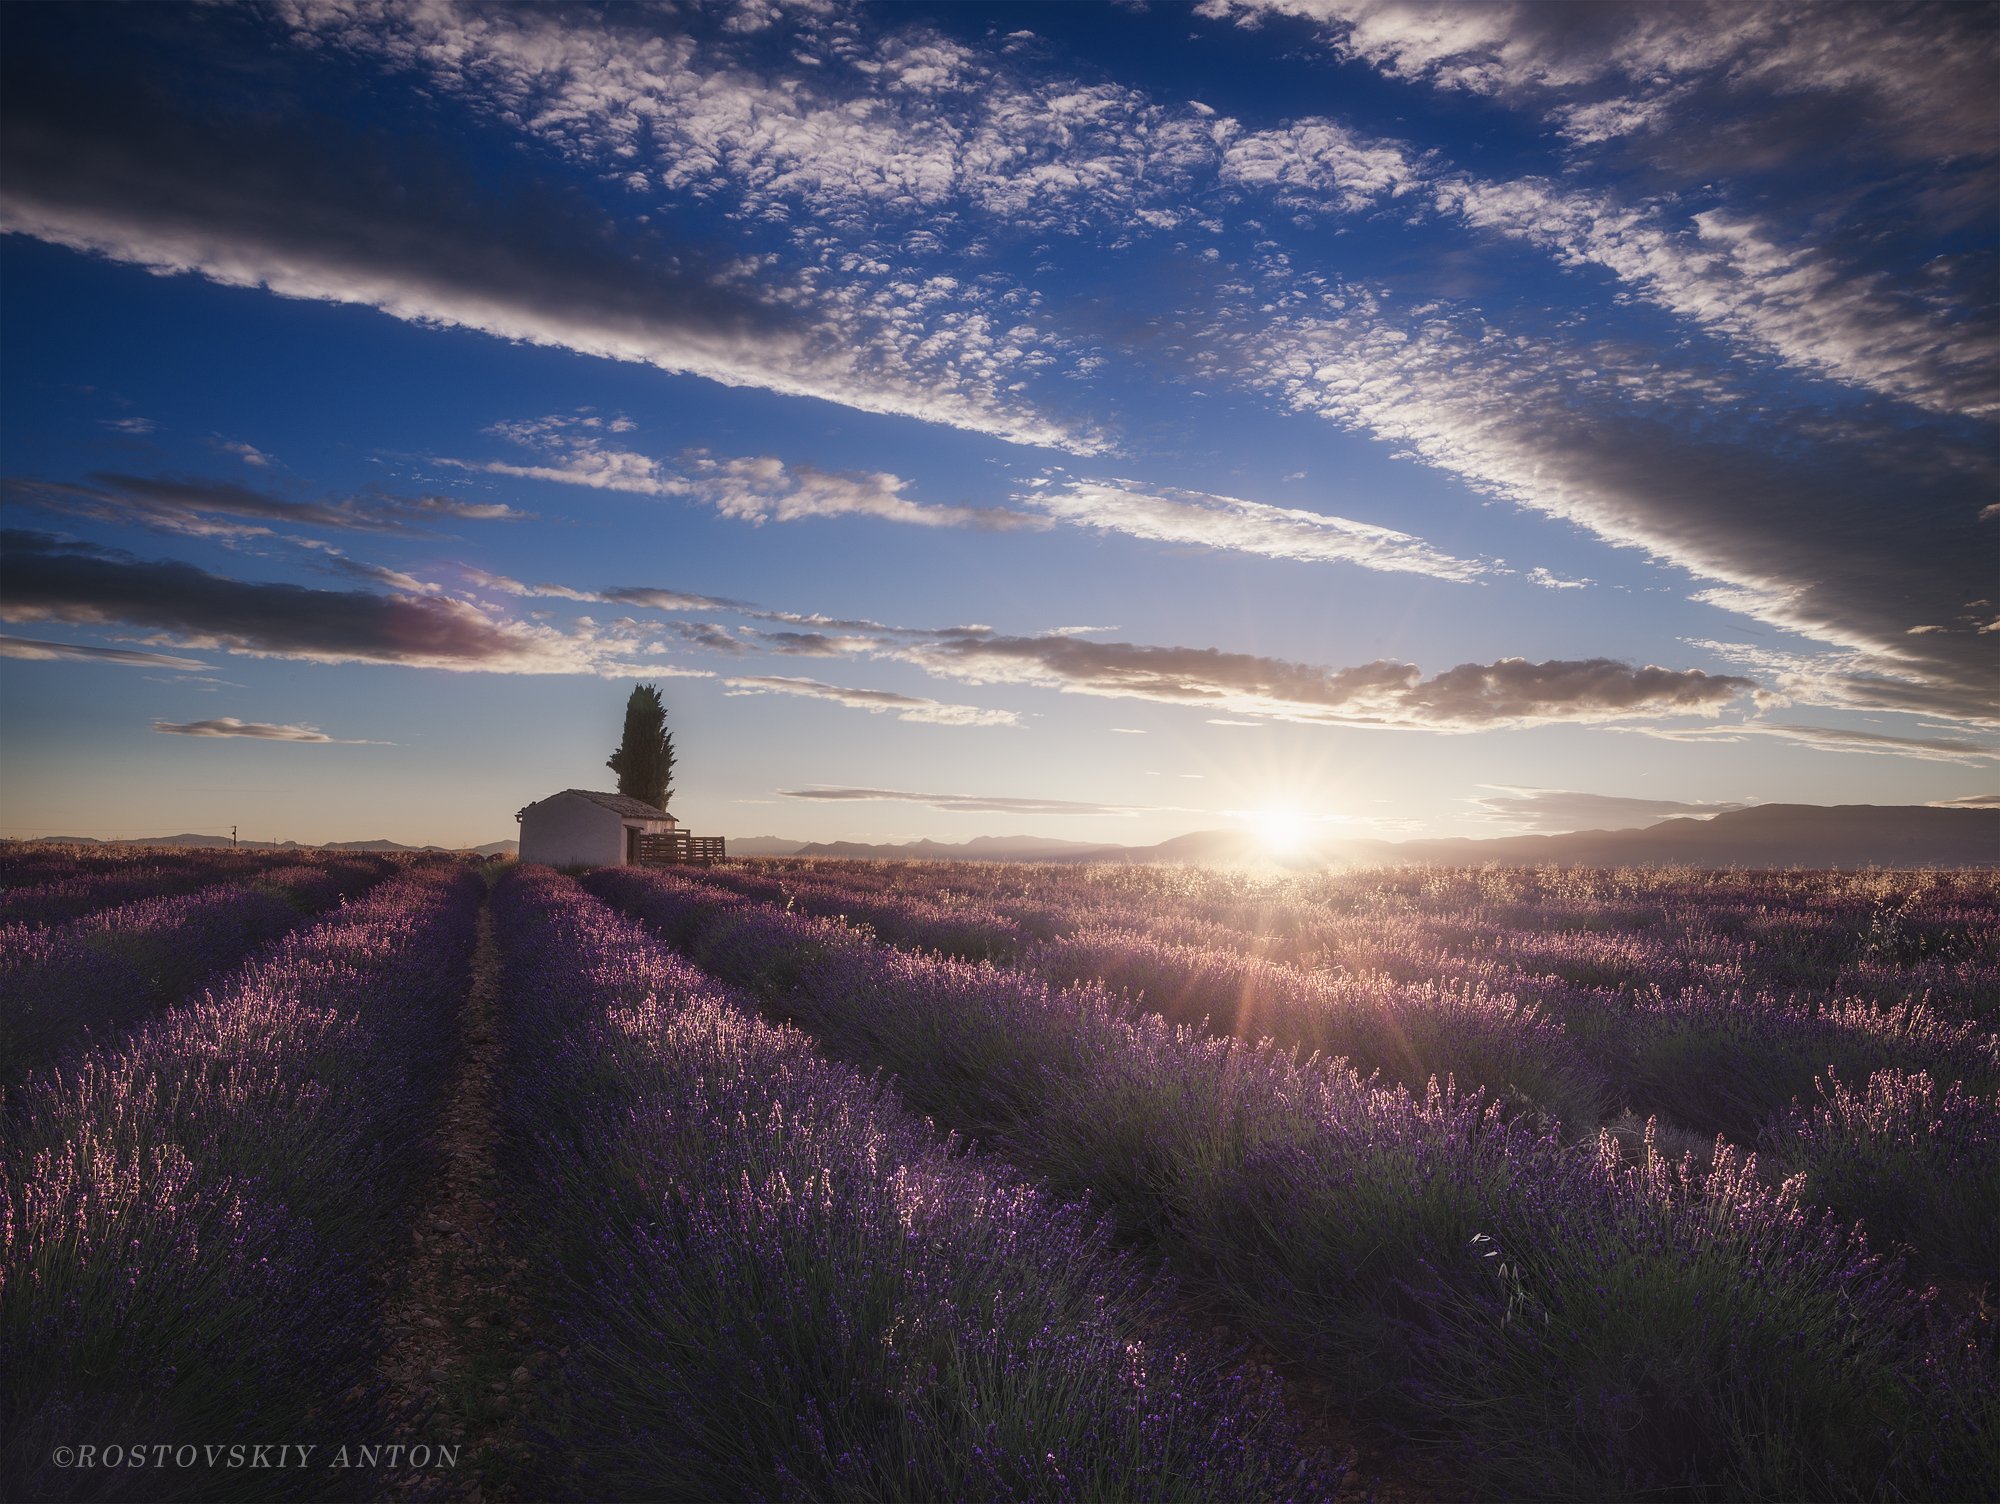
column 808, row 1179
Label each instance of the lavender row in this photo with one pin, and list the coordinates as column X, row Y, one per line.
column 1734, row 1065
column 1409, row 1031
column 1714, row 1062
column 58, row 985
column 1566, row 1325
column 1881, row 937
column 59, row 899
column 776, row 1282
column 1917, row 1167
column 190, row 1218
column 28, row 864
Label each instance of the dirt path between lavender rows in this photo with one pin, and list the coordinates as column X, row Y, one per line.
column 462, row 1359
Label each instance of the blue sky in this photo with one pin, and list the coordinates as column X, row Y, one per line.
column 1090, row 421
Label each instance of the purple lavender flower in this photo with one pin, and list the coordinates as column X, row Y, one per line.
column 187, row 1219
column 773, row 1280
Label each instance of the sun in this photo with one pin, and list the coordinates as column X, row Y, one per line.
column 1282, row 829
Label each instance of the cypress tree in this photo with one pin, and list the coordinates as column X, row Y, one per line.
column 644, row 761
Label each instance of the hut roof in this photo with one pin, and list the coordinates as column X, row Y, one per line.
column 619, row 804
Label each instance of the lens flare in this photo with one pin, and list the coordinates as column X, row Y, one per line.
column 1282, row 830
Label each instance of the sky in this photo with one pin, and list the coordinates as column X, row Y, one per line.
column 1382, row 417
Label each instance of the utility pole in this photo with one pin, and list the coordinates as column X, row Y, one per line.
column 232, row 838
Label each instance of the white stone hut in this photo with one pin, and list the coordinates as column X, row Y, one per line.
column 579, row 828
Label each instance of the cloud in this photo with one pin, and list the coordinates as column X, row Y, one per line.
column 1833, row 739
column 1566, row 809
column 1968, row 801
column 1549, row 580
column 1848, row 530
column 907, row 707
column 1849, row 679
column 1509, row 692
column 1920, row 74
column 1224, row 522
column 228, row 725
column 1322, row 164
column 815, row 644
column 309, row 211
column 979, row 804
column 854, row 635
column 1738, row 276
column 767, row 490
column 945, row 125
column 753, row 489
column 507, row 586
column 192, row 506
column 650, row 103
column 129, row 425
column 579, row 456
column 35, row 650
column 1822, row 302
column 49, row 579
column 250, row 454
column 454, row 508
column 378, row 574
column 711, row 635
column 1726, row 269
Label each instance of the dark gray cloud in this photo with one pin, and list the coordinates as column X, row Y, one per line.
column 710, row 635
column 1511, row 691
column 194, row 505
column 108, row 164
column 1913, row 78
column 1566, row 809
column 34, row 649
column 375, row 574
column 809, row 644
column 654, row 600
column 49, row 579
column 856, row 631
column 1859, row 527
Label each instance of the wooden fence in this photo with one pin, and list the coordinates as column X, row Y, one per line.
column 677, row 848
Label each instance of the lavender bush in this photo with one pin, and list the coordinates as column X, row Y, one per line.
column 189, row 1219
column 1656, row 979
column 57, row 985
column 1410, row 1031
column 774, row 1282
column 1639, row 1329
column 62, row 899
column 1904, row 1155
column 1730, row 1064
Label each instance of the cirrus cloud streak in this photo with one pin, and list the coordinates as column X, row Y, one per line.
column 230, row 726
column 913, row 708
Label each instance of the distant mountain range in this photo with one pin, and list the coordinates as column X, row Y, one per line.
column 1765, row 835
column 491, row 848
